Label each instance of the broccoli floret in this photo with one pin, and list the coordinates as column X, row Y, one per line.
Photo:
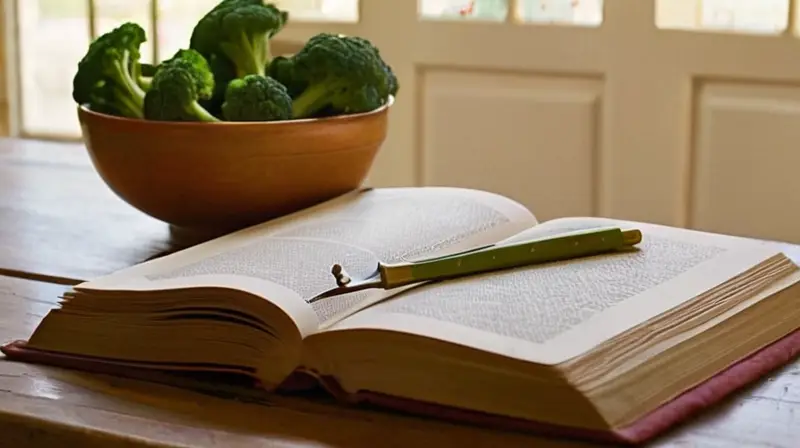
column 365, row 99
column 147, row 70
column 256, row 98
column 107, row 74
column 239, row 31
column 391, row 77
column 177, row 86
column 394, row 86
column 282, row 70
column 344, row 72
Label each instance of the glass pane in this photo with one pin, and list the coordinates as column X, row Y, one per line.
column 109, row 14
column 176, row 20
column 491, row 10
column 53, row 37
column 739, row 16
column 321, row 10
column 570, row 12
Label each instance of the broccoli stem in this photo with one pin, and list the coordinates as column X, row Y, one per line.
column 263, row 53
column 135, row 90
column 132, row 94
column 127, row 106
column 247, row 55
column 314, row 98
column 203, row 115
column 145, row 82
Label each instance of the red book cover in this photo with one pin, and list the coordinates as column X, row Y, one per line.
column 684, row 406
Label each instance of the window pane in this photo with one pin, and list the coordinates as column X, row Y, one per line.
column 740, row 16
column 110, row 14
column 568, row 12
column 491, row 10
column 53, row 36
column 176, row 20
column 321, row 10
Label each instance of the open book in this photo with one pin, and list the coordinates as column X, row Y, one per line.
column 617, row 347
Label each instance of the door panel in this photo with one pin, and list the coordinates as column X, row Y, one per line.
column 746, row 159
column 507, row 132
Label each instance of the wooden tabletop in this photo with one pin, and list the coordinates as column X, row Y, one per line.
column 60, row 224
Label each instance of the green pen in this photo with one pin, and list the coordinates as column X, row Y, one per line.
column 564, row 246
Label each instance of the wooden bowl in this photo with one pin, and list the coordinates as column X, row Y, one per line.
column 216, row 177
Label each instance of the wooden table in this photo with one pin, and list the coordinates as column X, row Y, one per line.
column 59, row 224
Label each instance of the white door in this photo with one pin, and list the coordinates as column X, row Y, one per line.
column 683, row 112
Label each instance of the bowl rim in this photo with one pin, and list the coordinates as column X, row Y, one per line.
column 83, row 109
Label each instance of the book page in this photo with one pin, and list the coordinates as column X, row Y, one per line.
column 551, row 312
column 356, row 231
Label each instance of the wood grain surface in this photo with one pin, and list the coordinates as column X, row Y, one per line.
column 59, row 222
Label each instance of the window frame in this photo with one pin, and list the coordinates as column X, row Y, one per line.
column 11, row 95
column 9, row 71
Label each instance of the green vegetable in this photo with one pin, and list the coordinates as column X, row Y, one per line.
column 343, row 72
column 177, row 86
column 147, row 70
column 282, row 70
column 391, row 79
column 256, row 98
column 144, row 77
column 239, row 31
column 228, row 72
column 107, row 76
column 224, row 72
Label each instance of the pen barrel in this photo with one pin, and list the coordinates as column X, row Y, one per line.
column 560, row 247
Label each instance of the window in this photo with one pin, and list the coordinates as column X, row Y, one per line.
column 744, row 16
column 52, row 36
column 492, row 10
column 740, row 16
column 573, row 12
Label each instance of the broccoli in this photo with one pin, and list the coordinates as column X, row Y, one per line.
column 224, row 72
column 343, row 72
column 256, row 98
column 147, row 70
column 144, row 75
column 239, row 31
column 177, row 86
column 107, row 76
column 391, row 77
column 282, row 70
column 364, row 99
